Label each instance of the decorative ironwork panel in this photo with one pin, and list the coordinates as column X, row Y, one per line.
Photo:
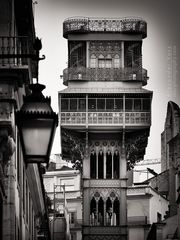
column 137, row 118
column 104, row 74
column 105, row 192
column 73, row 118
column 103, row 118
column 104, row 183
column 122, row 25
column 106, row 118
column 105, row 48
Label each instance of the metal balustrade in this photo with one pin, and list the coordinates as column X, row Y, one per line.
column 103, row 74
column 121, row 25
column 16, row 47
column 106, row 118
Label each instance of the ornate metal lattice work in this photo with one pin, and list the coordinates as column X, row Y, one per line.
column 122, row 25
column 105, row 48
column 105, row 193
column 104, row 74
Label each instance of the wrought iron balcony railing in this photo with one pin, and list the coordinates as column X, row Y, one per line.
column 106, row 118
column 104, row 74
column 120, row 25
column 14, row 51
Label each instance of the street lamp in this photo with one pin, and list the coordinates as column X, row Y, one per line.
column 36, row 123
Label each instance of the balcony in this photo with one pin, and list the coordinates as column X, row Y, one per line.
column 14, row 52
column 104, row 74
column 106, row 118
column 119, row 25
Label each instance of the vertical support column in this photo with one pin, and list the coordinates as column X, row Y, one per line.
column 104, row 162
column 86, row 110
column 87, row 54
column 86, row 160
column 124, row 110
column 112, row 164
column 123, row 199
column 122, row 54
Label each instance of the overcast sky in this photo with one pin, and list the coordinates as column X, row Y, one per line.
column 160, row 49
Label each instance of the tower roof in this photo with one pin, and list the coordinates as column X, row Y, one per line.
column 126, row 25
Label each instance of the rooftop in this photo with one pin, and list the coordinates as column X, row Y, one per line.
column 126, row 25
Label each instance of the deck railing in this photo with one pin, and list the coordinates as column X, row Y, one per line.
column 106, row 118
column 122, row 25
column 103, row 74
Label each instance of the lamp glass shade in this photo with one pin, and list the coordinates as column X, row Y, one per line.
column 37, row 137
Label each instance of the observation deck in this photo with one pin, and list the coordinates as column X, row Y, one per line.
column 126, row 25
column 103, row 119
column 105, row 74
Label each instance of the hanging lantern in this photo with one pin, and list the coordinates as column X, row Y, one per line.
column 37, row 124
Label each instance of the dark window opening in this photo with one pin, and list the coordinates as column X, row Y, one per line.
column 129, row 104
column 108, row 165
column 108, row 212
column 92, row 104
column 73, row 104
column 137, row 104
column 101, row 104
column 77, row 54
column 116, row 212
column 64, row 104
column 82, row 104
column 93, row 165
column 101, row 211
column 93, row 212
column 110, row 104
column 116, row 165
column 146, row 104
column 100, row 165
column 119, row 104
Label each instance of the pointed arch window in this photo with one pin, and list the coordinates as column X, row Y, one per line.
column 93, row 61
column 93, row 212
column 116, row 164
column 100, row 164
column 93, row 164
column 109, row 212
column 101, row 61
column 116, row 61
column 104, row 62
column 101, row 211
column 108, row 61
column 116, row 207
column 108, row 165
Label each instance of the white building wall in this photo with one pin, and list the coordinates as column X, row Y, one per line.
column 158, row 204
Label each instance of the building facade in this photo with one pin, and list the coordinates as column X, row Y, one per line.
column 63, row 187
column 105, row 116
column 23, row 213
column 168, row 182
